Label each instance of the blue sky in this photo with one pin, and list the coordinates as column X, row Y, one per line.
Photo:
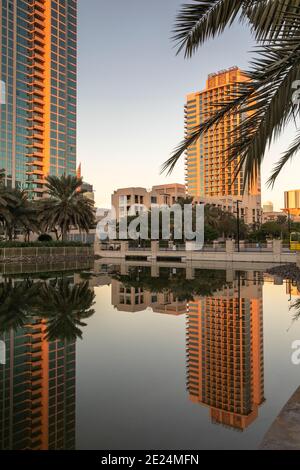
column 132, row 90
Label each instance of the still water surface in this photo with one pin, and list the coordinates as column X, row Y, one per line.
column 130, row 361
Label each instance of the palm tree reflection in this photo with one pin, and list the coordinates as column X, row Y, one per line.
column 206, row 283
column 296, row 307
column 64, row 306
column 16, row 303
column 60, row 304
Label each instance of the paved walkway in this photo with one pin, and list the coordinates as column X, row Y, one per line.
column 284, row 433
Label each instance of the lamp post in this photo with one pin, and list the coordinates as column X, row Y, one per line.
column 289, row 223
column 238, row 223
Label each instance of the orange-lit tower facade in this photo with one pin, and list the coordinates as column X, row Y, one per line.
column 208, row 176
column 38, row 67
column 225, row 353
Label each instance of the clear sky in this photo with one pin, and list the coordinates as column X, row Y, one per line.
column 132, row 91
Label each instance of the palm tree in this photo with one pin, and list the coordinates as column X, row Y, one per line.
column 66, row 207
column 268, row 100
column 7, row 200
column 20, row 213
column 64, row 306
column 212, row 215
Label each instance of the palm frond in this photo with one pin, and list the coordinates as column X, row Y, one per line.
column 244, row 91
column 287, row 156
column 266, row 111
column 271, row 19
column 201, row 20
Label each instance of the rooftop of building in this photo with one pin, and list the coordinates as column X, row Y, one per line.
column 132, row 189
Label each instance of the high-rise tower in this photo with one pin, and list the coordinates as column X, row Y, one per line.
column 208, row 176
column 38, row 67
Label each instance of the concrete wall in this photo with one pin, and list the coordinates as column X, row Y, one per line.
column 229, row 255
column 32, row 252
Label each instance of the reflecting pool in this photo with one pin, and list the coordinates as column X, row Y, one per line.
column 145, row 357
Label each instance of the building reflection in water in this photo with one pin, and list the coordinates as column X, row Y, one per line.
column 225, row 352
column 37, row 376
column 138, row 299
column 225, row 357
column 37, row 391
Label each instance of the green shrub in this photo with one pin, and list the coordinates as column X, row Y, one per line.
column 45, row 238
column 54, row 244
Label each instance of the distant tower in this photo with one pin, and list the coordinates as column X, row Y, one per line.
column 268, row 207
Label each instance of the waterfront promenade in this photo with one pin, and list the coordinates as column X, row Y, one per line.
column 284, row 433
column 271, row 253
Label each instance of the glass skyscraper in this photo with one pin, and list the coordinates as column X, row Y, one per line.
column 38, row 63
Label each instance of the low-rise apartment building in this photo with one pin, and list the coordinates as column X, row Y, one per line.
column 249, row 206
column 129, row 201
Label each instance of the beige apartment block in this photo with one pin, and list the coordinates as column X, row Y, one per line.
column 129, row 201
column 249, row 206
column 272, row 216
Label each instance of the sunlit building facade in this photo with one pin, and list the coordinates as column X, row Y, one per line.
column 38, row 41
column 225, row 353
column 292, row 204
column 209, row 177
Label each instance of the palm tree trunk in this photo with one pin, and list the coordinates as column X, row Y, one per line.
column 64, row 234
